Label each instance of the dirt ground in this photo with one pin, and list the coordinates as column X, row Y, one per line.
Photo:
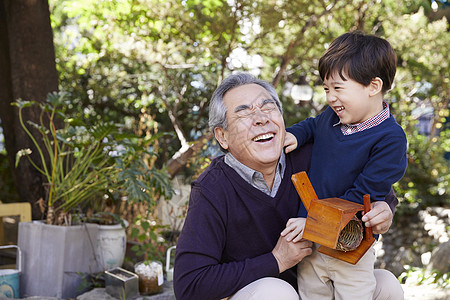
column 425, row 292
column 412, row 292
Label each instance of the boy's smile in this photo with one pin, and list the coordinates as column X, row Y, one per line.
column 339, row 109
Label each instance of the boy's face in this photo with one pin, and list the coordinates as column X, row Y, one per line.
column 352, row 102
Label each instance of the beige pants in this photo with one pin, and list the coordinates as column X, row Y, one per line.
column 321, row 277
column 269, row 288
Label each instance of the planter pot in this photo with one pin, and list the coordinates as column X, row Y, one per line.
column 53, row 256
column 111, row 245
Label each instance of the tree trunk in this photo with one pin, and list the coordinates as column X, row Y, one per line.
column 179, row 159
column 28, row 71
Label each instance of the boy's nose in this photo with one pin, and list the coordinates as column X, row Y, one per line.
column 331, row 97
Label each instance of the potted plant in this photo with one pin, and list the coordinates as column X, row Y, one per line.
column 84, row 167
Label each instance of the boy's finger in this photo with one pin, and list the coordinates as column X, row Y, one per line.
column 297, row 238
column 284, row 232
column 289, row 149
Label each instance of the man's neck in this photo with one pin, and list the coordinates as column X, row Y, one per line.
column 269, row 178
column 267, row 172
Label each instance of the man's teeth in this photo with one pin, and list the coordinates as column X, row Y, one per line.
column 340, row 108
column 263, row 137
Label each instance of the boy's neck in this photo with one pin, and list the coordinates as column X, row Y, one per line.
column 378, row 108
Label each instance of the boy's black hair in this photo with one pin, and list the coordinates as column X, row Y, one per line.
column 361, row 57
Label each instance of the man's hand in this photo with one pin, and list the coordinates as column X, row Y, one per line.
column 290, row 142
column 379, row 217
column 288, row 254
column 294, row 229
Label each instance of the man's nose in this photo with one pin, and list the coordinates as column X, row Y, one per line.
column 260, row 118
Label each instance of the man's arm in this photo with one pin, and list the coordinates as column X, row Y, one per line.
column 288, row 253
column 199, row 271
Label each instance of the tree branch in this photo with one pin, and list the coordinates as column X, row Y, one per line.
column 293, row 44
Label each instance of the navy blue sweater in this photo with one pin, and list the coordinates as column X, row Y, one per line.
column 349, row 166
column 231, row 229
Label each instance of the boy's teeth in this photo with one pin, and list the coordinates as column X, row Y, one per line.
column 263, row 137
column 340, row 108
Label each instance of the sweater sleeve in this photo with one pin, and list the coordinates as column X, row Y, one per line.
column 386, row 165
column 303, row 131
column 199, row 272
column 391, row 200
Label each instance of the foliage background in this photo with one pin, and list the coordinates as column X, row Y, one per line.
column 154, row 65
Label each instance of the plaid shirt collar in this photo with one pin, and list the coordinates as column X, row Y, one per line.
column 348, row 129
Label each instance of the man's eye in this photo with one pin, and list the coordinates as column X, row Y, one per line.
column 243, row 113
column 269, row 107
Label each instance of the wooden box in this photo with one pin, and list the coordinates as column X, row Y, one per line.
column 328, row 217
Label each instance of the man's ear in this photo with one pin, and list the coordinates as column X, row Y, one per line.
column 221, row 137
column 375, row 86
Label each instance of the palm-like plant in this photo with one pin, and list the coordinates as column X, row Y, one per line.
column 81, row 165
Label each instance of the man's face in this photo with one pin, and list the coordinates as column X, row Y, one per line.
column 256, row 131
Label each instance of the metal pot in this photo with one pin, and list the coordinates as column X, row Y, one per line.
column 9, row 278
column 169, row 270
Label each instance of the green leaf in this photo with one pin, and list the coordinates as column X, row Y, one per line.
column 134, row 232
column 145, row 225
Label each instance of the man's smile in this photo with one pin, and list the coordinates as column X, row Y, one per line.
column 265, row 137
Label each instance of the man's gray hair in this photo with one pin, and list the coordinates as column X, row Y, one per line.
column 218, row 110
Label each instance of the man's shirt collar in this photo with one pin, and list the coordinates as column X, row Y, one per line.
column 256, row 178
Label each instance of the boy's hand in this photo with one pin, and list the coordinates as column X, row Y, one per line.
column 379, row 217
column 290, row 142
column 294, row 229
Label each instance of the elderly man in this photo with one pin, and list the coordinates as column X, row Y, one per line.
column 230, row 245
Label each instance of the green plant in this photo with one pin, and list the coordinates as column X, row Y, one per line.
column 91, row 280
column 149, row 246
column 83, row 167
column 420, row 276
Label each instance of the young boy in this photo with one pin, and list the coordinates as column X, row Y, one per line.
column 358, row 149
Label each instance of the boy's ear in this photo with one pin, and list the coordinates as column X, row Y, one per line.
column 375, row 86
column 221, row 137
